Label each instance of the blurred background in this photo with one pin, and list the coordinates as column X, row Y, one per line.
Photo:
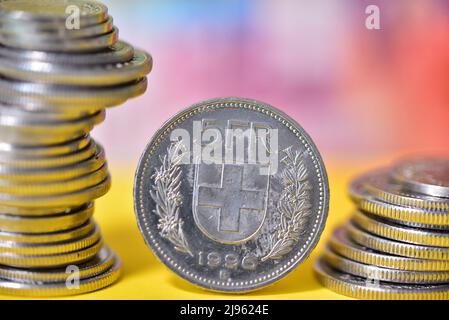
column 363, row 95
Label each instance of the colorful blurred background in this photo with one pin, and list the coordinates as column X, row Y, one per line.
column 365, row 96
column 362, row 94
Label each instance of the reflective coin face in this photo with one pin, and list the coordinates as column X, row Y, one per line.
column 427, row 175
column 231, row 194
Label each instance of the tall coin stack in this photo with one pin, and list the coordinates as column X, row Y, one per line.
column 396, row 245
column 61, row 65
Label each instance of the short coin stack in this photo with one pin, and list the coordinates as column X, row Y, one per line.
column 61, row 65
column 396, row 245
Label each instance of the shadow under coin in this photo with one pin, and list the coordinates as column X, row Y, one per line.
column 301, row 279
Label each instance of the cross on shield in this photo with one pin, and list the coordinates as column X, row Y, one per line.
column 230, row 201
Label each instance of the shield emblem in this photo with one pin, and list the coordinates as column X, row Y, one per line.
column 230, row 201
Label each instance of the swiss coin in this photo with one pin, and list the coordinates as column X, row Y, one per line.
column 363, row 288
column 51, row 12
column 404, row 208
column 222, row 223
column 428, row 176
column 383, row 274
column 101, row 262
column 95, row 75
column 65, row 220
column 38, row 96
column 119, row 52
column 30, row 42
column 51, row 289
column 395, row 247
column 51, row 260
column 392, row 231
column 342, row 244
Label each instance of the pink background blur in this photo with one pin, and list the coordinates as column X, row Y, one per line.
column 361, row 94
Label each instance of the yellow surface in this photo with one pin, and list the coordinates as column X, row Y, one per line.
column 144, row 277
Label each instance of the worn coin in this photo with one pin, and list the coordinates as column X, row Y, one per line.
column 243, row 220
column 428, row 176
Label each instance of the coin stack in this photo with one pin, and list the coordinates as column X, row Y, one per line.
column 61, row 65
column 396, row 245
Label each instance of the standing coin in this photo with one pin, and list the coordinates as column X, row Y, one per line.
column 224, row 220
column 427, row 175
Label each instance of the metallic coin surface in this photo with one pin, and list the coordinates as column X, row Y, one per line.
column 40, row 96
column 379, row 185
column 424, row 175
column 101, row 262
column 74, row 45
column 47, row 32
column 408, row 209
column 342, row 244
column 42, row 11
column 95, row 75
column 119, row 52
column 94, row 283
column 238, row 220
column 51, row 260
column 383, row 274
column 396, row 247
column 363, row 288
column 386, row 229
column 65, row 220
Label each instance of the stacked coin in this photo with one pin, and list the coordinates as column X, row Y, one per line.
column 396, row 245
column 61, row 65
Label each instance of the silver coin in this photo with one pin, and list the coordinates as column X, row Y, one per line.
column 37, row 96
column 429, row 176
column 42, row 175
column 17, row 130
column 63, row 45
column 53, row 31
column 233, row 224
column 94, row 75
column 65, row 220
column 119, row 52
column 14, row 152
column 52, row 12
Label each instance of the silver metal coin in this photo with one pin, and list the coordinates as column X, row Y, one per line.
column 61, row 44
column 428, row 176
column 224, row 220
column 52, row 12
column 119, row 52
column 54, row 31
column 95, row 75
column 37, row 96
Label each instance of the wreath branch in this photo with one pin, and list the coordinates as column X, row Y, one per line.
column 293, row 206
column 167, row 196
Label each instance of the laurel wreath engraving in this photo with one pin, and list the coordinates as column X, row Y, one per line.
column 167, row 196
column 285, row 227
